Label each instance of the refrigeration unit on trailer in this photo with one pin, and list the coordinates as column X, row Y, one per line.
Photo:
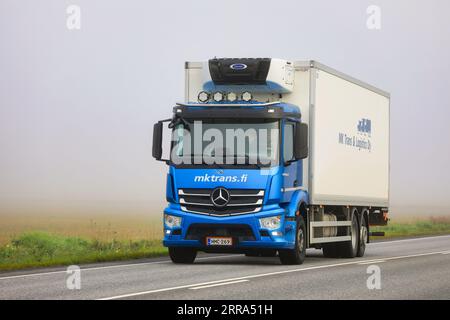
column 270, row 157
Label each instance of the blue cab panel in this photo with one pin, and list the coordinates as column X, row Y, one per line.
column 251, row 194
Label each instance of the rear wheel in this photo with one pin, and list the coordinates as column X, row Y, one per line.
column 296, row 255
column 363, row 233
column 182, row 255
column 347, row 249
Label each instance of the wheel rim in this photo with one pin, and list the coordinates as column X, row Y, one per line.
column 363, row 236
column 354, row 232
column 300, row 240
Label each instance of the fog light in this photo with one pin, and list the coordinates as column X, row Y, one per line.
column 203, row 96
column 172, row 221
column 247, row 96
column 168, row 231
column 277, row 233
column 270, row 223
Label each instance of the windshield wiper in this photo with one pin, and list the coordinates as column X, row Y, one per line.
column 223, row 165
column 247, row 160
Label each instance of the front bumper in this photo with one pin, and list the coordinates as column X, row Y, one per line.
column 177, row 236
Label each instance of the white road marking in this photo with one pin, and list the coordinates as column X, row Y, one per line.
column 219, row 284
column 128, row 295
column 407, row 240
column 165, row 261
column 372, row 262
column 108, row 267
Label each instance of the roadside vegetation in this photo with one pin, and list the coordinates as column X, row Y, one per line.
column 431, row 226
column 41, row 249
column 28, row 243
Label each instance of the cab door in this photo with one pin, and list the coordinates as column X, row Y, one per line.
column 291, row 167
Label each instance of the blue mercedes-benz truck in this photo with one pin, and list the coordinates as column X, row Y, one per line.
column 270, row 157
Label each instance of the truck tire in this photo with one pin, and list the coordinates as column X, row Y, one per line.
column 363, row 233
column 182, row 255
column 347, row 249
column 296, row 255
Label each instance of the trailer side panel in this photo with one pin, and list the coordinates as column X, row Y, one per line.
column 350, row 149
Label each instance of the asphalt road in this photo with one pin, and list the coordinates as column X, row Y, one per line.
column 409, row 269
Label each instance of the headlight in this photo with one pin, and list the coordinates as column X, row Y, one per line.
column 172, row 221
column 270, row 223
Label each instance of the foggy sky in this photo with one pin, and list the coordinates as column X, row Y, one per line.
column 77, row 107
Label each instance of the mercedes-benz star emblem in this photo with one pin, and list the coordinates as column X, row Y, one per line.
column 220, row 197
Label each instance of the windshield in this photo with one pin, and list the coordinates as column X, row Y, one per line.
column 226, row 142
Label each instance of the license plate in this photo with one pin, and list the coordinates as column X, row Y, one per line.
column 219, row 241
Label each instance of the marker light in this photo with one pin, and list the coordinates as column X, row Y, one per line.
column 247, row 96
column 218, row 96
column 172, row 221
column 231, row 96
column 203, row 96
column 270, row 223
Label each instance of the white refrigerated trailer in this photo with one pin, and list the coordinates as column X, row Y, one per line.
column 348, row 128
column 344, row 179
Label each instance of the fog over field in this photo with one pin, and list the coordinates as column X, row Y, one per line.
column 77, row 106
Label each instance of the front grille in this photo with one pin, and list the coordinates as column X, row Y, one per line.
column 240, row 232
column 242, row 201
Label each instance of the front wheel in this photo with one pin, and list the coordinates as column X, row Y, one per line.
column 182, row 255
column 296, row 255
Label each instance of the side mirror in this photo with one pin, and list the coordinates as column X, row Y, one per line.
column 157, row 140
column 301, row 141
column 161, row 140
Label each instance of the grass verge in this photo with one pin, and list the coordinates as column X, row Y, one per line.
column 41, row 249
column 433, row 226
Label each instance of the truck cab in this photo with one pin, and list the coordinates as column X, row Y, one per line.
column 239, row 171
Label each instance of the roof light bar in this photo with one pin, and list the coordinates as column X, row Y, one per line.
column 218, row 96
column 203, row 96
column 231, row 96
column 246, row 96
